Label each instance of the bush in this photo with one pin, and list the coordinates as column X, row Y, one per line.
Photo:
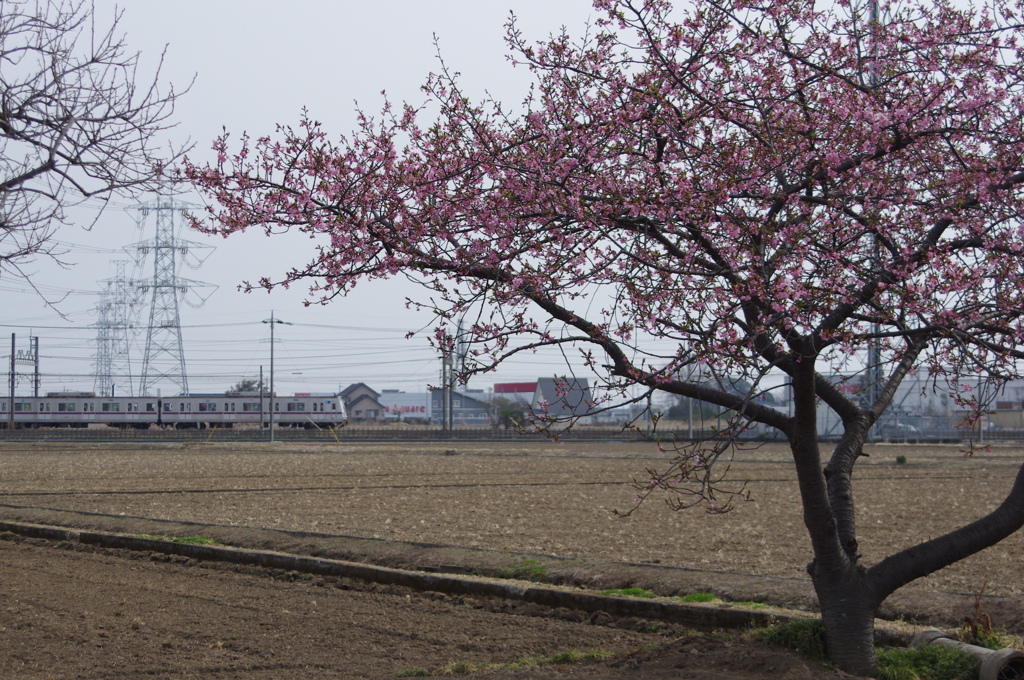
column 806, row 636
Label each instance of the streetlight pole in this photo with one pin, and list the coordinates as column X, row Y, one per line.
column 272, row 321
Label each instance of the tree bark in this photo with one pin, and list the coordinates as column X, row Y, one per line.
column 847, row 604
column 848, row 612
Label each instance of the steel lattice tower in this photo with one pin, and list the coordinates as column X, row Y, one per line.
column 164, row 357
column 117, row 311
column 124, row 319
column 102, row 371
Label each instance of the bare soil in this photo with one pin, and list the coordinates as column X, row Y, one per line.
column 539, row 510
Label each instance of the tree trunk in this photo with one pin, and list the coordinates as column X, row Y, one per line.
column 848, row 612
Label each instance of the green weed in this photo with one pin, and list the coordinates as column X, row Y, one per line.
column 990, row 639
column 932, row 662
column 190, row 540
column 573, row 656
column 691, row 598
column 194, row 540
column 629, row 592
column 806, row 636
column 459, row 668
column 526, row 570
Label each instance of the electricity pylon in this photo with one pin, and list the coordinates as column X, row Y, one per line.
column 118, row 316
column 163, row 358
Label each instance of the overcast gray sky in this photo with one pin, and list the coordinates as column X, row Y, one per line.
column 257, row 63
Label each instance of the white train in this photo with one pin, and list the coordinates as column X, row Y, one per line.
column 81, row 409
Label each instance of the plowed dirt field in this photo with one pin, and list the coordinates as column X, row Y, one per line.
column 539, row 510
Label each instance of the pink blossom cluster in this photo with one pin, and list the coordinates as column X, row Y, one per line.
column 751, row 185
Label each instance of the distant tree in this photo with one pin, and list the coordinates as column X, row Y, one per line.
column 508, row 413
column 734, row 187
column 249, row 385
column 75, row 122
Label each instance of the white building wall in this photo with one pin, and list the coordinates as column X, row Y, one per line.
column 405, row 405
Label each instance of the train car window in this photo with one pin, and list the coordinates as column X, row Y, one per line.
column 167, row 407
column 110, row 408
column 150, row 407
column 277, row 406
column 202, row 407
column 188, row 406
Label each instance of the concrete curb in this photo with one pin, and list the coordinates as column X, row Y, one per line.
column 702, row 617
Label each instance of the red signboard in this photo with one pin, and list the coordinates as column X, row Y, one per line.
column 518, row 387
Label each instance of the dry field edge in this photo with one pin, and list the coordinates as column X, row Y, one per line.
column 539, row 510
column 702, row 617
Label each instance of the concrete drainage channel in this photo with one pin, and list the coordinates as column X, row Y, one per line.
column 700, row 617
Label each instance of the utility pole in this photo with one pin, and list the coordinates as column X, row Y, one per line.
column 874, row 367
column 10, row 411
column 446, row 363
column 272, row 321
column 35, row 357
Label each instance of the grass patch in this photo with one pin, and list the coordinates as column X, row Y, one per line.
column 573, row 656
column 190, row 540
column 459, row 668
column 629, row 592
column 464, row 667
column 527, row 570
column 990, row 639
column 691, row 598
column 932, row 662
column 805, row 636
